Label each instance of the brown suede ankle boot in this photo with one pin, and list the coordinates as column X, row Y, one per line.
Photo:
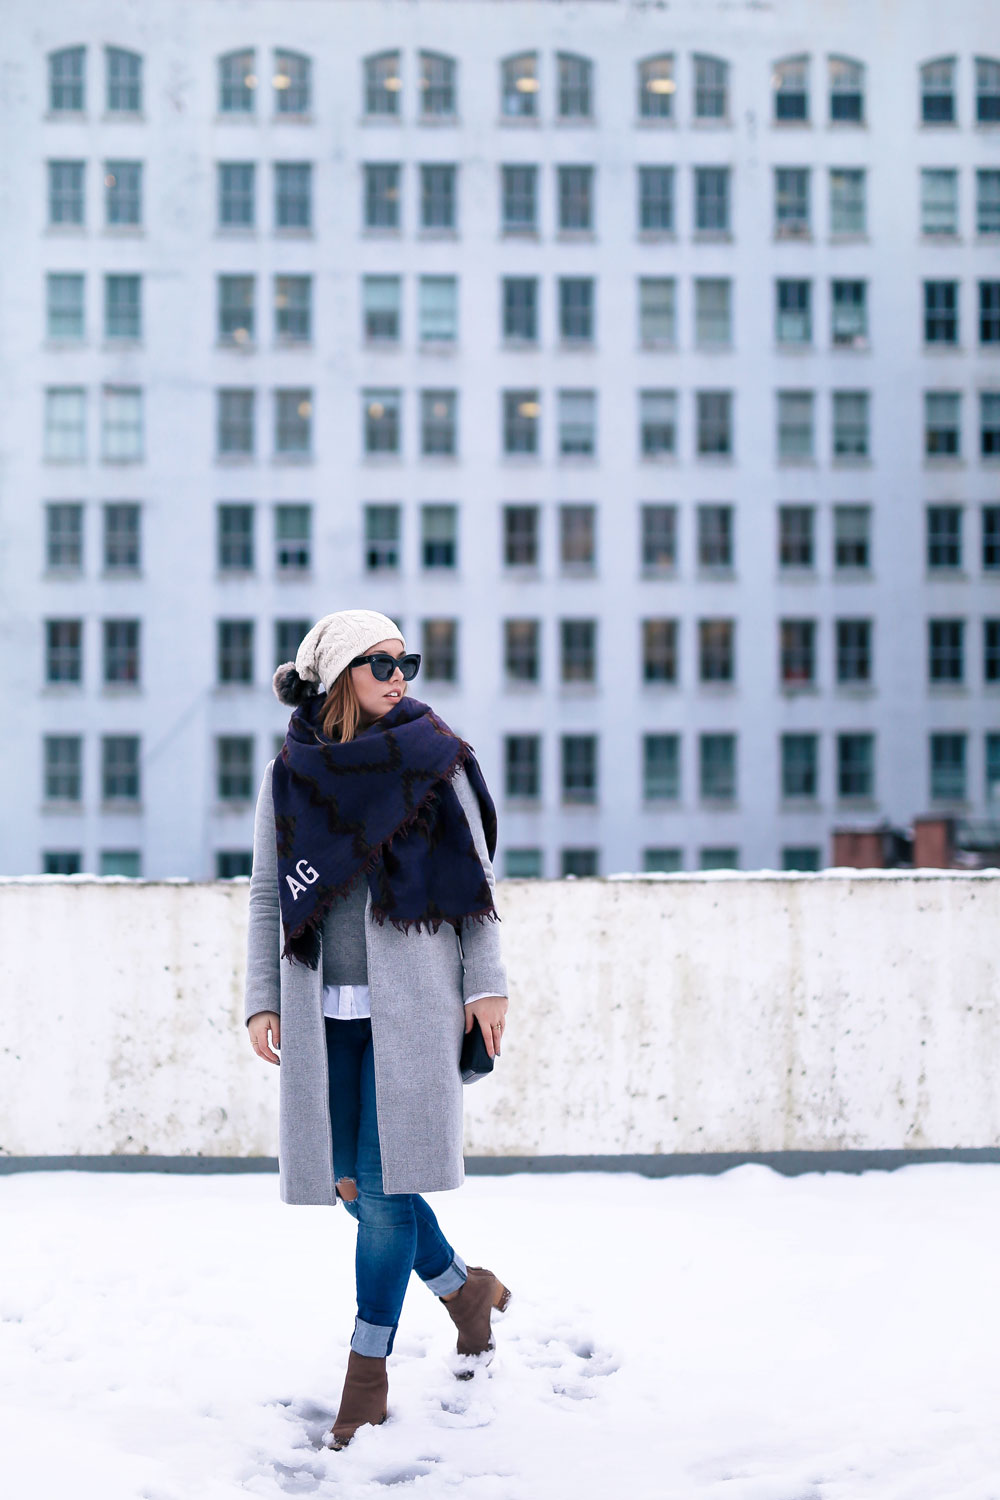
column 471, row 1308
column 364, row 1397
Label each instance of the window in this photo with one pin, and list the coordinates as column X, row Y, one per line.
column 123, row 192
column 945, row 653
column 948, row 774
column 231, row 864
column 437, row 196
column 941, row 312
column 656, row 200
column 380, row 300
column 716, row 650
column 793, row 312
column 799, row 765
column 381, row 414
column 383, row 531
column 237, row 83
column 712, row 312
column 439, row 536
column 578, row 778
column 848, row 205
column 717, row 767
column 234, row 429
column 292, row 83
column 293, row 412
column 711, row 200
column 711, row 88
column 121, row 652
column 288, row 634
column 847, row 100
column 382, row 85
column 660, row 651
column 575, row 203
column 797, row 653
column 235, row 539
column 989, row 424
column 236, row 195
column 123, row 307
column 519, row 199
column 796, row 536
column 234, row 651
column 661, row 767
column 65, row 423
column 713, row 424
column 64, row 651
column 657, row 310
column 791, row 202
column 723, row 858
column 121, row 424
column 437, row 309
column 519, row 86
column 856, row 765
column 236, row 309
column 521, row 651
column 715, row 537
column 234, row 778
column 989, row 312
column 520, row 536
column 577, row 651
column 577, row 538
column 66, row 78
column 66, row 205
column 382, row 195
column 519, row 319
column 122, row 538
column 292, row 195
column 439, row 650
column 939, row 201
column 937, row 92
column 790, row 84
column 293, row 538
column 987, row 201
column 657, row 423
column 658, row 547
column 123, row 72
column 120, row 778
column 64, row 536
column 522, row 765
column 64, row 311
column 942, row 424
column 574, row 98
column 853, row 651
column 944, row 536
column 439, row 423
column 576, row 309
column 656, row 88
column 992, row 768
column 577, row 422
column 849, row 314
column 794, row 857
column 521, row 410
column 851, row 537
column 990, row 533
column 987, row 91
column 293, row 309
column 991, row 651
column 437, row 86
column 795, row 425
column 63, row 760
column 851, row 423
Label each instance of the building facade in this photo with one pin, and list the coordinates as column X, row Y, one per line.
column 642, row 361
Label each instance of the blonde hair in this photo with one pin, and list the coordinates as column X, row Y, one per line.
column 341, row 712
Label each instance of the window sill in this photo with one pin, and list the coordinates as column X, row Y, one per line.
column 845, row 462
column 712, row 237
column 663, row 460
column 787, row 461
column 236, row 460
column 656, row 236
column 431, row 233
column 236, row 232
column 799, row 690
column 437, row 347
column 658, row 575
column 294, row 232
column 120, row 805
column 292, row 460
column 575, row 236
column 58, row 807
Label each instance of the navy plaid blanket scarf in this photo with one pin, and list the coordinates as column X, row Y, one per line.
column 381, row 807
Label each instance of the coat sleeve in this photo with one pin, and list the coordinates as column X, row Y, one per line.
column 485, row 972
column 263, row 974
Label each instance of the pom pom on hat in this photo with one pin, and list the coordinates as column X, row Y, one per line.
column 289, row 687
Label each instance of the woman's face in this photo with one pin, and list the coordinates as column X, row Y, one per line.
column 376, row 698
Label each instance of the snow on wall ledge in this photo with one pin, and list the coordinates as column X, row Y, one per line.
column 723, row 1011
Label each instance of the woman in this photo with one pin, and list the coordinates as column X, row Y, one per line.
column 372, row 950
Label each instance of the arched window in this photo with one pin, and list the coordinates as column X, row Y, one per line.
column 575, row 87
column 937, row 92
column 438, row 86
column 847, row 90
column 292, row 82
column 383, row 85
column 237, row 83
column 519, row 86
column 790, row 84
column 657, row 86
column 66, row 89
column 987, row 91
column 711, row 88
column 124, row 81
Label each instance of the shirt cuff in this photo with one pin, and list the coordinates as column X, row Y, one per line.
column 481, row 996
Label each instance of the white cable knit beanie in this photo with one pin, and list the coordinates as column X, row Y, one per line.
column 327, row 649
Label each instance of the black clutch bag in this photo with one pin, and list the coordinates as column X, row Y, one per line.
column 474, row 1061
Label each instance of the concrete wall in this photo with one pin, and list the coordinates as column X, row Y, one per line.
column 689, row 1013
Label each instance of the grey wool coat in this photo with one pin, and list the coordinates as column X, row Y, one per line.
column 417, row 985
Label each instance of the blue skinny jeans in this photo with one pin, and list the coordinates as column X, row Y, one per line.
column 397, row 1232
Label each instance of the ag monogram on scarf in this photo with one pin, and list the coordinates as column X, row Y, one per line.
column 381, row 807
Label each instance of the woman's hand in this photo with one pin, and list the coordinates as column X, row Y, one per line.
column 491, row 1010
column 258, row 1026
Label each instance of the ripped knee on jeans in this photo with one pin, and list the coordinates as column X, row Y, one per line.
column 347, row 1189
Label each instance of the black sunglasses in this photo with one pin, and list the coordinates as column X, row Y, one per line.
column 383, row 665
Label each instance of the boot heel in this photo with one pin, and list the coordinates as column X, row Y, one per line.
column 501, row 1298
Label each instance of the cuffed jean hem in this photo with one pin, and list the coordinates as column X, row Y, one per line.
column 450, row 1279
column 373, row 1339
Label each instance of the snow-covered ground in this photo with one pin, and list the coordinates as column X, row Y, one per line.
column 739, row 1337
